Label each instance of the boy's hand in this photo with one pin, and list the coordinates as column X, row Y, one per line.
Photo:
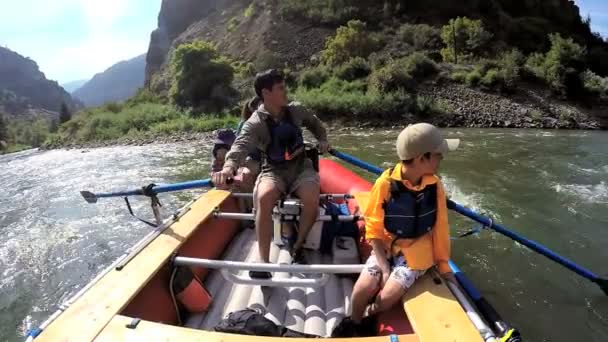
column 220, row 179
column 323, row 147
column 247, row 176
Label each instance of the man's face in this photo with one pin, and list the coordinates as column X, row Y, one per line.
column 277, row 96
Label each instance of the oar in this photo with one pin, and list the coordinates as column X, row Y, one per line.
column 533, row 245
column 149, row 190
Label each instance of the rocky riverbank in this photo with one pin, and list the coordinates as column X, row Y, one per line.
column 140, row 140
column 529, row 107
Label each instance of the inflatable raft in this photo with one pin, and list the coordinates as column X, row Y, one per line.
column 133, row 301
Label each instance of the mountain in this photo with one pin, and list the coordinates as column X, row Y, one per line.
column 291, row 32
column 117, row 83
column 25, row 91
column 73, row 85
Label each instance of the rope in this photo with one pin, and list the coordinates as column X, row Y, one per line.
column 179, row 319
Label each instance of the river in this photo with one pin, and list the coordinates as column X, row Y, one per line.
column 551, row 186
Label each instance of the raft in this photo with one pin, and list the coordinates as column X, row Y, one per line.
column 132, row 299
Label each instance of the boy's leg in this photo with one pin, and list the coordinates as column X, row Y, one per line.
column 306, row 186
column 365, row 288
column 401, row 279
column 267, row 192
column 308, row 193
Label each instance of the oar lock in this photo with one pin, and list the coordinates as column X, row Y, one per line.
column 477, row 229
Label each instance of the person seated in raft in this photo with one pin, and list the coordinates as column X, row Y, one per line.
column 224, row 138
column 275, row 129
column 406, row 222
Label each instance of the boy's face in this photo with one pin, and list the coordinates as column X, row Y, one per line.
column 431, row 165
column 220, row 158
column 277, row 96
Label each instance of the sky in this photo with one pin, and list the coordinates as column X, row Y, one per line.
column 598, row 9
column 75, row 39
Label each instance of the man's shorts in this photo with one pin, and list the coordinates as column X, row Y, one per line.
column 400, row 272
column 288, row 179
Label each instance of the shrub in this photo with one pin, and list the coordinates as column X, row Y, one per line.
column 492, row 78
column 233, row 23
column 419, row 66
column 350, row 41
column 26, row 133
column 595, row 84
column 354, row 69
column 421, row 36
column 325, row 11
column 469, row 36
column 201, row 78
column 473, row 78
column 390, row 78
column 3, row 128
column 249, row 11
column 113, row 107
column 338, row 98
column 560, row 66
column 144, row 95
column 511, row 63
column 426, row 105
column 314, row 77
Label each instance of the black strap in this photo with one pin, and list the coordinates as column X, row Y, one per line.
column 133, row 214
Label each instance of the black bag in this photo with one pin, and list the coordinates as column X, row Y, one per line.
column 251, row 322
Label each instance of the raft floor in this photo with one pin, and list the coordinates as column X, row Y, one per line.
column 309, row 310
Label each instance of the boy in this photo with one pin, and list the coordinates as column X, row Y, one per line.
column 275, row 129
column 406, row 222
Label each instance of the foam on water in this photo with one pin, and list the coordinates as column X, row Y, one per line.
column 469, row 200
column 593, row 193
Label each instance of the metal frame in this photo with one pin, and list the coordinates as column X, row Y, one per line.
column 323, row 196
column 285, row 218
column 226, row 266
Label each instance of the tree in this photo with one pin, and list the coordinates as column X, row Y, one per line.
column 64, row 113
column 3, row 128
column 352, row 40
column 464, row 39
column 201, row 77
column 3, row 133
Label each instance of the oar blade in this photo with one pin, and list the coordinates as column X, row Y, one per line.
column 89, row 196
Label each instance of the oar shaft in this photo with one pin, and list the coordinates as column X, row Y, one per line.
column 357, row 162
column 120, row 193
column 500, row 327
column 533, row 245
column 205, row 183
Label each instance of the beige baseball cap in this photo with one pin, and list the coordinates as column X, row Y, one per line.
column 418, row 139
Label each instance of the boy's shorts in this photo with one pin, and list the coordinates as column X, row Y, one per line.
column 400, row 272
column 289, row 179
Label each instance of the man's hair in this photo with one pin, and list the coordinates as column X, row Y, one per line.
column 266, row 80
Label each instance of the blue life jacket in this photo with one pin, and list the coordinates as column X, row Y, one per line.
column 286, row 140
column 409, row 214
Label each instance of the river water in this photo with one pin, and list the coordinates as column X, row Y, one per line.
column 550, row 186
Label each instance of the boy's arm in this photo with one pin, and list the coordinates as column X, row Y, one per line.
column 312, row 123
column 249, row 135
column 441, row 233
column 374, row 213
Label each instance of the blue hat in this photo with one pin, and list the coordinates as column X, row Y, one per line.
column 225, row 137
